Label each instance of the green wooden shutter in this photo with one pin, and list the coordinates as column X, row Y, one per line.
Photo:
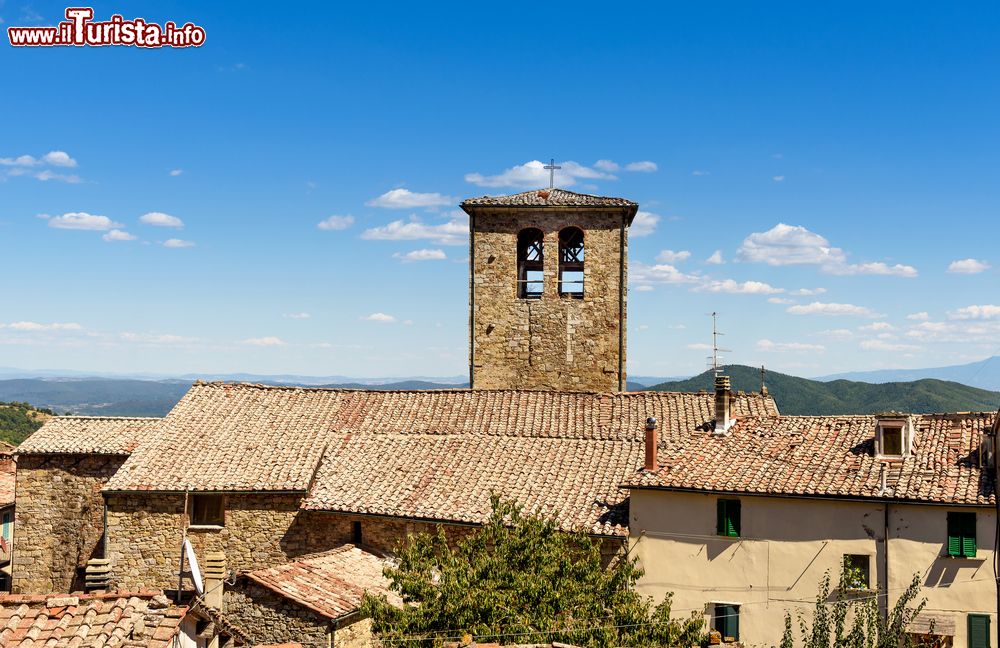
column 954, row 545
column 979, row 631
column 733, row 518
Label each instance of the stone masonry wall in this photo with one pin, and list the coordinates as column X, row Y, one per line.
column 271, row 619
column 261, row 530
column 58, row 519
column 553, row 342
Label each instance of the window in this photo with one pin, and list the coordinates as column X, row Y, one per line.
column 356, row 533
column 726, row 620
column 857, row 572
column 892, row 441
column 207, row 510
column 6, row 526
column 728, row 518
column 979, row 631
column 530, row 263
column 962, row 535
column 571, row 262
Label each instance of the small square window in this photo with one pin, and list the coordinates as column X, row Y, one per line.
column 728, row 518
column 726, row 621
column 962, row 535
column 207, row 510
column 857, row 571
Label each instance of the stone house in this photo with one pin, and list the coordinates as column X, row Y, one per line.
column 742, row 524
column 7, row 480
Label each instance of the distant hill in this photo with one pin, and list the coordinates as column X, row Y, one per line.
column 984, row 374
column 18, row 420
column 803, row 396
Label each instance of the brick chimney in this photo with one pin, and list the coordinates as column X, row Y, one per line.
column 652, row 443
column 723, row 403
column 215, row 576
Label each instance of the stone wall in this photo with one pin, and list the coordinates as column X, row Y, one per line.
column 58, row 519
column 261, row 530
column 554, row 342
column 272, row 619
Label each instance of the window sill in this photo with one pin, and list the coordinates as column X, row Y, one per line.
column 206, row 527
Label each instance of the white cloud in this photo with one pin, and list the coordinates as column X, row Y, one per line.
column 21, row 160
column 176, row 172
column 59, row 158
column 793, row 347
column 532, row 175
column 297, row 316
column 644, row 166
column 700, row 173
column 643, row 224
column 806, row 292
column 821, row 308
column 406, row 199
column 795, row 245
column 378, row 317
column 159, row 219
column 983, row 312
column 779, row 300
column 335, row 222
column 421, row 255
column 732, row 286
column 837, row 334
column 62, row 177
column 606, row 165
column 880, row 345
column 265, row 342
column 454, row 232
column 643, row 288
column 152, row 338
column 671, row 257
column 641, row 274
column 83, row 221
column 877, row 326
column 118, row 235
column 716, row 258
column 779, row 178
column 36, row 326
column 962, row 331
column 177, row 243
column 968, row 266
column 922, row 316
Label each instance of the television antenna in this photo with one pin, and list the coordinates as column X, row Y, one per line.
column 714, row 361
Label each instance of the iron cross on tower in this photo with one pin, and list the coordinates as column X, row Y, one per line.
column 551, row 168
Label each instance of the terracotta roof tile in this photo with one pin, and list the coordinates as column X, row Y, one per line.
column 90, row 435
column 331, row 584
column 7, row 479
column 830, row 456
column 548, row 198
column 98, row 619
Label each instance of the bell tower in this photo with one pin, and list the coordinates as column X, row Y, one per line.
column 547, row 290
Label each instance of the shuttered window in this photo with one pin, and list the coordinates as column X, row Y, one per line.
column 979, row 631
column 962, row 535
column 728, row 518
column 207, row 510
column 726, row 620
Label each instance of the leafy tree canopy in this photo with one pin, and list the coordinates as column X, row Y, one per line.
column 519, row 579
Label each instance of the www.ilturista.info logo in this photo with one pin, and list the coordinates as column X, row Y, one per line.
column 79, row 30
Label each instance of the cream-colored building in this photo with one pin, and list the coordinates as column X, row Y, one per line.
column 742, row 524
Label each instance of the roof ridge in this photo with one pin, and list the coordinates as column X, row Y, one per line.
column 107, row 418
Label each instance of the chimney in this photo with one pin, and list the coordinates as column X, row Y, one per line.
column 652, row 441
column 723, row 397
column 215, row 576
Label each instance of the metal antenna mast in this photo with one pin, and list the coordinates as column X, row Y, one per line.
column 714, row 360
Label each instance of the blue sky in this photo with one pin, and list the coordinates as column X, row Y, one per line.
column 839, row 159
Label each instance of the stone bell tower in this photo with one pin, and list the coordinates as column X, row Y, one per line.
column 547, row 290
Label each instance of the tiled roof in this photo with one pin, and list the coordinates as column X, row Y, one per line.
column 7, row 479
column 89, row 435
column 829, row 456
column 331, row 584
column 127, row 619
column 548, row 198
column 565, row 451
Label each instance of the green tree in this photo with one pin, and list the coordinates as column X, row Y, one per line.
column 856, row 621
column 519, row 579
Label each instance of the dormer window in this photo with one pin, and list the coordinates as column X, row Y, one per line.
column 893, row 437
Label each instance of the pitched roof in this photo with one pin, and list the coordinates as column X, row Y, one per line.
column 829, row 456
column 565, row 451
column 108, row 435
column 331, row 584
column 7, row 480
column 549, row 198
column 142, row 618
